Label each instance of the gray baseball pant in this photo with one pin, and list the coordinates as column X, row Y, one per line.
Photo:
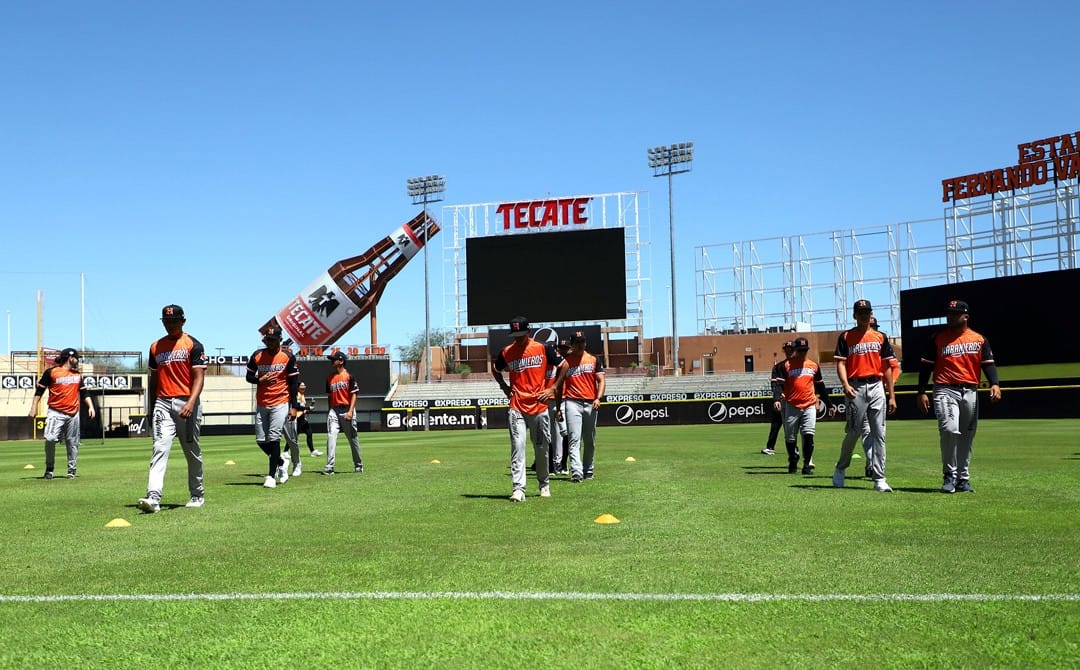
column 957, row 412
column 58, row 424
column 867, row 405
column 537, row 426
column 581, row 430
column 168, row 424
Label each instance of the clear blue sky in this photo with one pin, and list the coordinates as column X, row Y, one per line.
column 220, row 155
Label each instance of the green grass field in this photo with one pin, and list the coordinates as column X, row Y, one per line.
column 720, row 559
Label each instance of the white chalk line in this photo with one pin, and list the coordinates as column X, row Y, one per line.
column 569, row 596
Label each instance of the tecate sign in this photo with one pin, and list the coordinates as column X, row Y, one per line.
column 719, row 412
column 627, row 414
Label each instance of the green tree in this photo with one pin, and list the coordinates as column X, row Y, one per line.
column 413, row 352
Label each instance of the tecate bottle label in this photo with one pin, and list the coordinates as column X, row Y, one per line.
column 406, row 241
column 319, row 314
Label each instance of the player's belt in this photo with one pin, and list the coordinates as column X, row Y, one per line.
column 341, row 407
column 863, row 380
column 581, row 399
column 963, row 387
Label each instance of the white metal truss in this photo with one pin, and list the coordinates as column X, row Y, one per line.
column 809, row 282
column 604, row 210
column 1021, row 232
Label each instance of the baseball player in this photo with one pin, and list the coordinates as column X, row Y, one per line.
column 889, row 367
column 797, row 385
column 557, row 418
column 65, row 386
column 777, row 416
column 956, row 356
column 527, row 361
column 582, row 389
column 275, row 375
column 341, row 391
column 860, row 354
column 302, row 425
column 177, row 372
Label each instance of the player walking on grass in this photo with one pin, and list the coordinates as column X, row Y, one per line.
column 65, row 386
column 957, row 357
column 341, row 391
column 890, row 367
column 797, row 385
column 527, row 360
column 557, row 418
column 275, row 375
column 860, row 355
column 582, row 389
column 177, row 372
column 302, row 425
column 777, row 421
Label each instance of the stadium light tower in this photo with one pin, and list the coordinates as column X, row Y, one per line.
column 424, row 190
column 667, row 161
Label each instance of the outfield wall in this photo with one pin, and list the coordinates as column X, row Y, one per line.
column 1021, row 400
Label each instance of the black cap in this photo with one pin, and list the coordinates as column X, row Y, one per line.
column 801, row 344
column 862, row 304
column 957, row 306
column 788, row 345
column 338, row 356
column 62, row 357
column 172, row 312
column 272, row 333
column 519, row 325
column 577, row 337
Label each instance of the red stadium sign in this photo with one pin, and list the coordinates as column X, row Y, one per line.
column 543, row 213
column 1054, row 158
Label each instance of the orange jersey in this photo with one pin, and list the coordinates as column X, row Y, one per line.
column 798, row 379
column 340, row 388
column 527, row 362
column 172, row 362
column 63, row 386
column 283, row 363
column 581, row 379
column 863, row 353
column 958, row 357
column 891, row 367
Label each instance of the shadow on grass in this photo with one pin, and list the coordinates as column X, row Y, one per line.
column 485, row 495
column 164, row 507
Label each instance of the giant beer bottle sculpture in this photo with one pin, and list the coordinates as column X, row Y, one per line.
column 350, row 288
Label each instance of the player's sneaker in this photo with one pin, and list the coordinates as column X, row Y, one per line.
column 327, row 471
column 948, row 486
column 316, row 452
column 808, row 469
column 48, row 475
column 196, row 501
column 768, row 452
column 297, row 469
column 269, row 483
column 838, row 478
column 882, row 486
column 358, row 468
column 71, row 474
column 545, row 492
column 964, row 486
column 517, row 496
column 792, row 466
column 149, row 505
column 588, row 475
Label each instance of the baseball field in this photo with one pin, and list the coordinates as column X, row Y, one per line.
column 719, row 557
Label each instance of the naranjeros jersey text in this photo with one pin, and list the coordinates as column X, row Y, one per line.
column 172, row 361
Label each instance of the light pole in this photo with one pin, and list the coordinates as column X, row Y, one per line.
column 667, row 161
column 424, row 190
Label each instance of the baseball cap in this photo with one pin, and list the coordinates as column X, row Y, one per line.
column 66, row 354
column 862, row 304
column 577, row 337
column 172, row 312
column 957, row 306
column 788, row 345
column 801, row 344
column 519, row 325
column 338, row 356
column 272, row 333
